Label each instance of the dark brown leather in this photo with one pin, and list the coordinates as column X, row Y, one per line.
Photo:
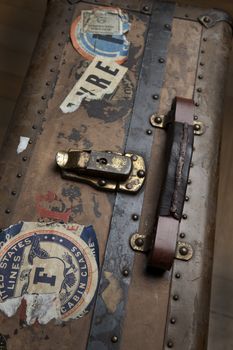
column 179, row 155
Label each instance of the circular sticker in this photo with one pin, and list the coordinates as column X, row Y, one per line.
column 92, row 44
column 49, row 261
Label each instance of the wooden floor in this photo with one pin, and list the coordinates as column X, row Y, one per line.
column 20, row 21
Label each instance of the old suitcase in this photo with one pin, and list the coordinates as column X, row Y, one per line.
column 170, row 97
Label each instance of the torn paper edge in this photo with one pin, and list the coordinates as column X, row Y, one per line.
column 23, row 143
column 76, row 95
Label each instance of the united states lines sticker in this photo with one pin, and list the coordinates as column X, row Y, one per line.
column 53, row 269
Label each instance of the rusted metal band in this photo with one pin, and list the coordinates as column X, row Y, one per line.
column 107, row 322
column 180, row 147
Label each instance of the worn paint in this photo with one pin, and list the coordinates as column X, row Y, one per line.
column 112, row 294
column 55, row 210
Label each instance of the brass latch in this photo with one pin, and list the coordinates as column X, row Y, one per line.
column 106, row 170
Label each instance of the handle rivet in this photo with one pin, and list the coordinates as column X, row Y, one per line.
column 161, row 60
column 158, row 120
column 197, row 127
column 175, row 297
column 183, row 250
column 139, row 242
column 155, row 97
column 182, row 235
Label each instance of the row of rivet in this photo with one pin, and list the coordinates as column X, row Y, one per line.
column 44, row 98
column 182, row 235
column 135, row 217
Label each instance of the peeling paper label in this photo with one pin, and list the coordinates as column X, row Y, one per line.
column 100, row 78
column 100, row 32
column 54, row 268
column 100, row 21
column 23, row 143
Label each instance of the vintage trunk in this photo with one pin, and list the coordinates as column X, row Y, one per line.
column 174, row 52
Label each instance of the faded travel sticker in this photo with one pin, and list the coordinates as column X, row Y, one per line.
column 100, row 32
column 52, row 268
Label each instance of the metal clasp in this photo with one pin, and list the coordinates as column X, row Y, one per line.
column 106, row 170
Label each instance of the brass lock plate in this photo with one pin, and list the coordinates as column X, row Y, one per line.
column 105, row 170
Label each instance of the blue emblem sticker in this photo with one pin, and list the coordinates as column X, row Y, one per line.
column 107, row 37
column 59, row 262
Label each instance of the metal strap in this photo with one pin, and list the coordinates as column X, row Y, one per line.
column 108, row 318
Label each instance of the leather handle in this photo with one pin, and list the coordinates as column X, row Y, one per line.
column 178, row 154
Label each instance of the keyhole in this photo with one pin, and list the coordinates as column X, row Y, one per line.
column 102, row 161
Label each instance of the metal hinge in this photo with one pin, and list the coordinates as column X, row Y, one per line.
column 209, row 19
column 161, row 121
column 105, row 170
column 143, row 243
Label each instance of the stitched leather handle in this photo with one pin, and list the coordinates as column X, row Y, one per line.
column 178, row 155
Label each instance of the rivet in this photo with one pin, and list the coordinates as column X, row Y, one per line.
column 43, row 97
column 141, row 173
column 202, row 51
column 183, row 250
column 170, row 344
column 189, row 181
column 19, row 175
column 52, row 70
column 145, row 8
column 114, row 339
column 206, row 19
column 204, row 39
column 161, row 60
column 134, row 158
column 199, row 89
column 182, row 235
column 186, row 198
column 202, row 63
column 129, row 186
column 167, row 26
column 197, row 127
column 135, row 217
column 24, row 158
column 56, row 57
column 200, row 76
column 149, row 132
column 184, row 216
column 13, row 193
column 197, row 104
column 175, row 297
column 40, row 111
column 177, row 275
column 173, row 320
column 155, row 97
column 7, row 211
column 30, row 141
column 195, row 117
column 125, row 272
column 139, row 242
column 47, row 83
column 34, row 126
column 59, row 44
column 158, row 120
column 102, row 182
